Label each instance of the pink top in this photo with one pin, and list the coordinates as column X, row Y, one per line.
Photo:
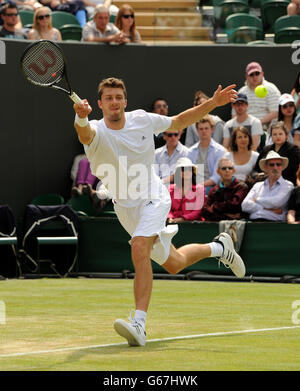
column 189, row 207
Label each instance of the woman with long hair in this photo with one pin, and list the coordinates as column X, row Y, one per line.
column 284, row 148
column 287, row 114
column 125, row 22
column 241, row 154
column 42, row 26
column 296, row 93
column 187, row 197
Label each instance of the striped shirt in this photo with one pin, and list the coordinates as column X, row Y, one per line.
column 259, row 107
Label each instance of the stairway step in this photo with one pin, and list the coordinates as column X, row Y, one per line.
column 153, row 5
column 168, row 19
column 174, row 33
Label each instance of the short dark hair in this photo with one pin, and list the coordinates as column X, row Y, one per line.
column 111, row 82
column 8, row 6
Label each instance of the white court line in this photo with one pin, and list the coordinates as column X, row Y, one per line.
column 221, row 333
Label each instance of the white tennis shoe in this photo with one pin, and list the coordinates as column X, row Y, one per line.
column 134, row 332
column 230, row 257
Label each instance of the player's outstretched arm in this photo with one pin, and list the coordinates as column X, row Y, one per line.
column 188, row 117
column 85, row 132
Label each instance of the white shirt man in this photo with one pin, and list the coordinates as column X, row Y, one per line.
column 207, row 153
column 267, row 200
column 122, row 143
column 266, row 108
column 242, row 118
column 166, row 157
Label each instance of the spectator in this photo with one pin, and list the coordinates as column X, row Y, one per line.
column 241, row 153
column 243, row 119
column 192, row 136
column 125, row 22
column 224, row 200
column 294, row 7
column 90, row 6
column 296, row 92
column 11, row 23
column 287, row 114
column 293, row 215
column 207, row 152
column 31, row 5
column 85, row 181
column 279, row 135
column 100, row 30
column 264, row 109
column 166, row 157
column 187, row 197
column 267, row 200
column 74, row 7
column 42, row 26
column 159, row 106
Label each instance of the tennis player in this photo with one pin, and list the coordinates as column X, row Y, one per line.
column 124, row 141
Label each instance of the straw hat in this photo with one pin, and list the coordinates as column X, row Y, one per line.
column 185, row 162
column 273, row 155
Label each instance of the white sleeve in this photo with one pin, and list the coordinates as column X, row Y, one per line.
column 256, row 127
column 160, row 122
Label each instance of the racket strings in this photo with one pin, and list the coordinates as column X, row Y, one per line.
column 43, row 63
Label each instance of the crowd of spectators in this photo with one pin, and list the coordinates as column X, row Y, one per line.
column 94, row 16
column 248, row 170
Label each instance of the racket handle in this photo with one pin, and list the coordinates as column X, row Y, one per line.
column 75, row 98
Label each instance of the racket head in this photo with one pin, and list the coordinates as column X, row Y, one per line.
column 43, row 63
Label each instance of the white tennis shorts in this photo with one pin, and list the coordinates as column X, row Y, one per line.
column 149, row 219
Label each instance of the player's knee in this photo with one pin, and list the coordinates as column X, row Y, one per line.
column 139, row 247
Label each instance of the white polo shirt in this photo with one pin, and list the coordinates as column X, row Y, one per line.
column 124, row 159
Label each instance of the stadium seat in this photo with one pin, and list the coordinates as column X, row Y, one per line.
column 71, row 32
column 26, row 17
column 255, row 3
column 243, row 28
column 271, row 10
column 60, row 18
column 287, row 29
column 48, row 199
column 224, row 8
column 82, row 205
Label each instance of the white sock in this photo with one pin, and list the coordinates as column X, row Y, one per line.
column 216, row 249
column 140, row 317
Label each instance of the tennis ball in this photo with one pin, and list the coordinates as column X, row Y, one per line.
column 261, row 91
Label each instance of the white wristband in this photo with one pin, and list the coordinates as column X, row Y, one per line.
column 82, row 122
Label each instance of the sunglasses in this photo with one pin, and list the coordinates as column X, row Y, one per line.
column 41, row 17
column 128, row 16
column 275, row 164
column 14, row 14
column 254, row 74
column 288, row 105
column 172, row 134
column 226, row 168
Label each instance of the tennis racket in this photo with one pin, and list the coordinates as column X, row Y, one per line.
column 43, row 64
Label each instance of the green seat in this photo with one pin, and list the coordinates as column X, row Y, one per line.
column 60, row 18
column 243, row 28
column 82, row 205
column 26, row 17
column 224, row 8
column 255, row 3
column 287, row 29
column 271, row 10
column 71, row 32
column 48, row 199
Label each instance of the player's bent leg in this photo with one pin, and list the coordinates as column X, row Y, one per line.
column 185, row 256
